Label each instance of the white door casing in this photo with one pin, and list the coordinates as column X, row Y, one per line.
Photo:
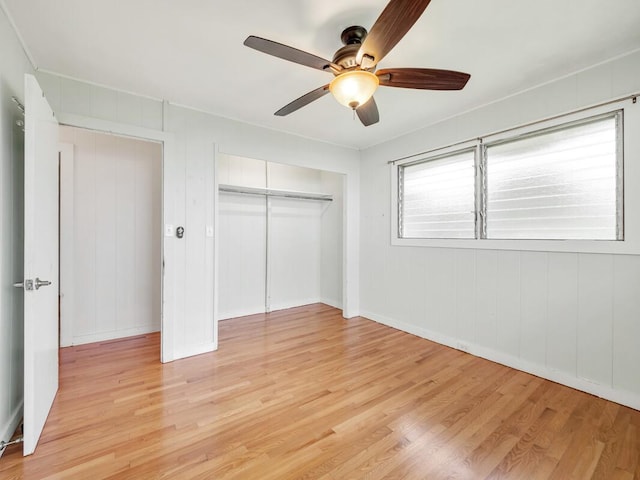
column 40, row 262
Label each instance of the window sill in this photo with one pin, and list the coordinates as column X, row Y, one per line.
column 574, row 246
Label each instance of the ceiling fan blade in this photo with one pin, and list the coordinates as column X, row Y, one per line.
column 392, row 24
column 287, row 53
column 368, row 113
column 423, row 78
column 303, row 101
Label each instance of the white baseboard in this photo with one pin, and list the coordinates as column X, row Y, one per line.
column 332, row 303
column 622, row 397
column 195, row 350
column 9, row 427
column 239, row 313
column 277, row 306
column 298, row 303
column 113, row 335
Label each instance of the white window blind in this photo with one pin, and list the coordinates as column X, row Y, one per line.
column 438, row 197
column 557, row 184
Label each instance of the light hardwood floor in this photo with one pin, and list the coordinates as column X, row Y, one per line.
column 303, row 393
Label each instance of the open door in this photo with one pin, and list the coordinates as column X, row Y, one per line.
column 40, row 282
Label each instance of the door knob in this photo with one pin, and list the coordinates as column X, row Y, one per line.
column 41, row 283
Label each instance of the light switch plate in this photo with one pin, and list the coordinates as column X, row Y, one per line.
column 209, row 231
column 168, row 230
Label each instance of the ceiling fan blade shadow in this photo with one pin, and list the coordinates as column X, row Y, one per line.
column 288, row 53
column 368, row 113
column 304, row 100
column 393, row 23
column 423, row 78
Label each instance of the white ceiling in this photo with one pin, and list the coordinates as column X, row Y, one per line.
column 190, row 52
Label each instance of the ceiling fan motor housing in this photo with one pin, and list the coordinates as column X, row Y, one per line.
column 352, row 38
column 346, row 56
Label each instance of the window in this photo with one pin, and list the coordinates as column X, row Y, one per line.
column 438, row 197
column 558, row 184
column 563, row 182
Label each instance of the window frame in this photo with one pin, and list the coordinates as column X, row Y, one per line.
column 628, row 173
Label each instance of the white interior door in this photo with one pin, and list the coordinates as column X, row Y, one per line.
column 40, row 262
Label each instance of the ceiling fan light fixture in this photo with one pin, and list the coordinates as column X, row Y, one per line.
column 355, row 88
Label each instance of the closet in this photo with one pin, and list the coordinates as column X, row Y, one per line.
column 280, row 236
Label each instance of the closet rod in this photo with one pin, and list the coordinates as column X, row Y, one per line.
column 270, row 192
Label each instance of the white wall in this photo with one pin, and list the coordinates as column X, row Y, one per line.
column 189, row 192
column 13, row 66
column 304, row 246
column 332, row 231
column 114, row 269
column 570, row 317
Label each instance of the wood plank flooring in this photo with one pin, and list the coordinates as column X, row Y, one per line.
column 303, row 393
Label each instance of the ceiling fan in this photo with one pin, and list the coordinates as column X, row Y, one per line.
column 354, row 65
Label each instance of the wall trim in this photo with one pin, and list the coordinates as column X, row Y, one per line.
column 98, row 84
column 114, row 128
column 113, row 335
column 283, row 306
column 195, row 350
column 300, row 303
column 239, row 313
column 65, row 256
column 603, row 391
column 332, row 303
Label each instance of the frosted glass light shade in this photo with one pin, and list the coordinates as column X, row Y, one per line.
column 354, row 88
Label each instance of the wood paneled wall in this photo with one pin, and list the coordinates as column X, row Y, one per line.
column 192, row 139
column 570, row 317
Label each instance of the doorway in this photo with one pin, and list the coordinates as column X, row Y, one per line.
column 110, row 242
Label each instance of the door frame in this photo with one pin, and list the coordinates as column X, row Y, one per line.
column 65, row 215
column 167, row 140
column 67, row 262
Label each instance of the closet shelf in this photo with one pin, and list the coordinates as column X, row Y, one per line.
column 272, row 192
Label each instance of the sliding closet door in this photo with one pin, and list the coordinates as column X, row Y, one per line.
column 294, row 252
column 241, row 254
